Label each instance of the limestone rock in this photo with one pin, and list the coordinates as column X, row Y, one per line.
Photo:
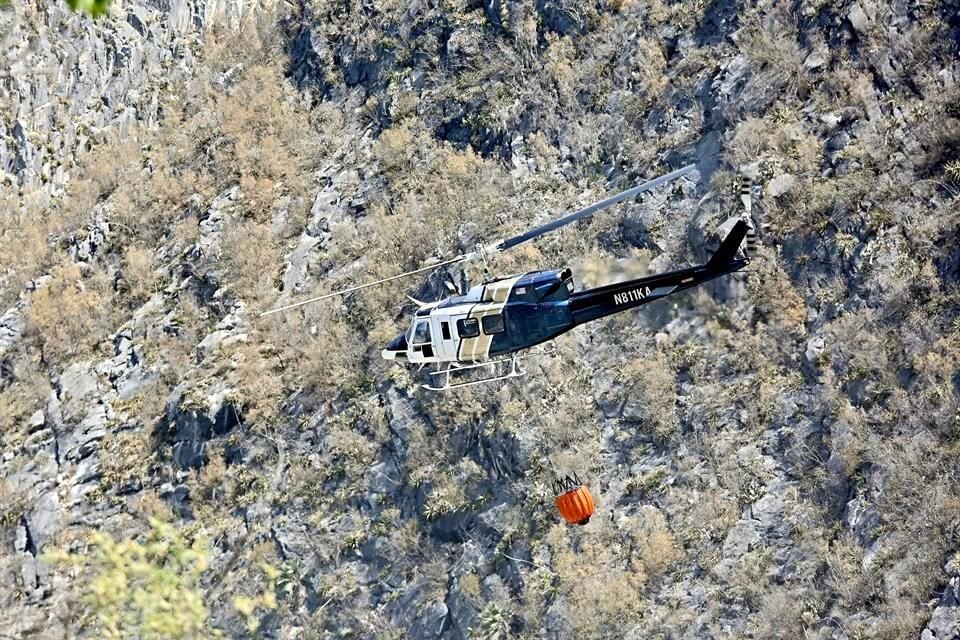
column 192, row 425
column 858, row 18
column 462, row 46
column 11, row 327
column 44, row 520
column 781, row 185
column 417, row 613
column 945, row 621
column 463, row 614
column 815, row 60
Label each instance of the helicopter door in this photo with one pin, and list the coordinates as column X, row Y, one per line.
column 446, row 344
column 421, row 342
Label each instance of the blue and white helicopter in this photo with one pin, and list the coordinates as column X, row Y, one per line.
column 494, row 324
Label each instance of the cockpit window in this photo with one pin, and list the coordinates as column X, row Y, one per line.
column 421, row 334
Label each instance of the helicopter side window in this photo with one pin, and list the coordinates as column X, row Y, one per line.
column 468, row 328
column 421, row 334
column 445, row 330
column 493, row 324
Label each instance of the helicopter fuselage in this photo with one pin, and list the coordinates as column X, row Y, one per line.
column 510, row 314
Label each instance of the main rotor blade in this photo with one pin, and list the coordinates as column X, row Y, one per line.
column 592, row 209
column 509, row 242
column 363, row 286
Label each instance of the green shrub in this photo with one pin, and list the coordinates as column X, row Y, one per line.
column 147, row 588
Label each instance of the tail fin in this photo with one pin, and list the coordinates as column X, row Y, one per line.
column 729, row 246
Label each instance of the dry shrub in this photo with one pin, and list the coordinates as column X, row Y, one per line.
column 395, row 148
column 149, row 403
column 850, row 449
column 254, row 133
column 859, row 347
column 899, row 619
column 784, row 613
column 67, row 316
column 139, row 273
column 173, row 354
column 598, row 268
column 702, row 527
column 319, row 348
column 256, row 377
column 14, row 504
column 349, row 447
column 250, row 256
column 151, row 505
column 647, row 67
column 939, row 397
column 772, row 43
column 571, row 412
column 28, row 232
column 145, row 207
column 787, row 145
column 652, row 377
column 775, row 297
column 918, row 493
column 848, row 579
column 124, row 457
column 600, row 584
column 107, row 169
column 429, row 203
column 210, row 477
column 559, row 52
column 652, row 541
column 267, row 141
column 23, row 249
column 18, row 401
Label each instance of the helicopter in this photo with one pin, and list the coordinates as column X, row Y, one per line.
column 495, row 324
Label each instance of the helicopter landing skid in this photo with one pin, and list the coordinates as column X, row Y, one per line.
column 456, row 368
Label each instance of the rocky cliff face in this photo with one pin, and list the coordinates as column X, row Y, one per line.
column 68, row 85
column 773, row 456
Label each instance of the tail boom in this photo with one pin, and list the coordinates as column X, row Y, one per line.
column 599, row 302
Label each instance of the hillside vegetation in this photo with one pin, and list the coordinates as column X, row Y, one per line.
column 774, row 455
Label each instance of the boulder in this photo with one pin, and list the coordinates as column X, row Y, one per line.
column 463, row 45
column 814, row 350
column 560, row 16
column 815, row 60
column 77, row 385
column 858, row 18
column 191, row 425
column 862, row 519
column 463, row 614
column 11, row 328
column 417, row 612
column 781, row 185
column 945, row 622
column 298, row 264
column 44, row 519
